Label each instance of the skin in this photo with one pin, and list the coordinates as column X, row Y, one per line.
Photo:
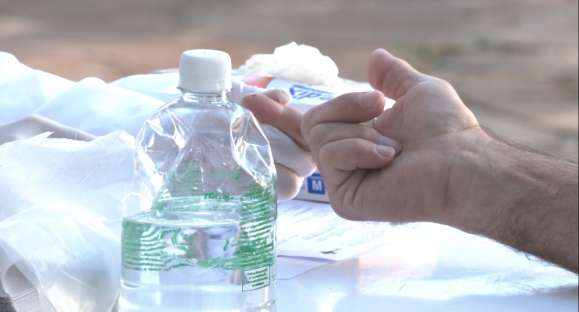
column 428, row 159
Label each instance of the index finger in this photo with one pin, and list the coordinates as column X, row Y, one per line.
column 348, row 108
column 272, row 108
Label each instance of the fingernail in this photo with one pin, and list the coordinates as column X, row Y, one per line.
column 386, row 151
column 386, row 141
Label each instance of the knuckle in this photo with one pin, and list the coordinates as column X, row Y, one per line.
column 248, row 99
column 277, row 95
column 404, row 85
column 369, row 133
column 359, row 133
column 318, row 135
column 346, row 104
column 433, row 86
column 358, row 145
column 443, row 84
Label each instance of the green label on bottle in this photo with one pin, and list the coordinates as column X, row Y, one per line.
column 256, row 278
column 150, row 243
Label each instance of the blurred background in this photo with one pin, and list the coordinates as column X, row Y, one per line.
column 514, row 62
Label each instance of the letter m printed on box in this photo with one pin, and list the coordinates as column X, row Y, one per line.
column 316, row 184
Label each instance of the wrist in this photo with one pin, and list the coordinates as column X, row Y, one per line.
column 473, row 183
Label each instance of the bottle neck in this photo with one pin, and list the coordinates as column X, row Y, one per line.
column 205, row 97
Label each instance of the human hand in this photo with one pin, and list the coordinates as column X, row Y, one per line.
column 35, row 125
column 354, row 142
column 281, row 125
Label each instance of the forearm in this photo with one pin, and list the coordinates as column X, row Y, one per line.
column 522, row 199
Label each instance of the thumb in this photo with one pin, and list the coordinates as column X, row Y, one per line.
column 391, row 75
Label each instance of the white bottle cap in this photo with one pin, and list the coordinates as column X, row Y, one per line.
column 205, row 71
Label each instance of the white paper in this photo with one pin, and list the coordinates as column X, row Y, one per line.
column 313, row 230
column 290, row 267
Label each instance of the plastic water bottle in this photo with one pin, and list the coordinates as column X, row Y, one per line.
column 205, row 239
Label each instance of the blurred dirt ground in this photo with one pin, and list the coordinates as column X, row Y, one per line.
column 514, row 62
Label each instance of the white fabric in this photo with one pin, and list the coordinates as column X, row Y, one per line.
column 62, row 206
column 161, row 86
column 99, row 108
column 22, row 89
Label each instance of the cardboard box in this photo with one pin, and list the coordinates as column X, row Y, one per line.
column 314, row 189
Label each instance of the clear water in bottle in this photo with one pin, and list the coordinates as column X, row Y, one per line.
column 205, row 239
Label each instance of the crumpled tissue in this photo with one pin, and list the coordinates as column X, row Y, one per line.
column 296, row 62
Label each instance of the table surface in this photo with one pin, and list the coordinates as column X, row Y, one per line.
column 433, row 268
column 428, row 267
